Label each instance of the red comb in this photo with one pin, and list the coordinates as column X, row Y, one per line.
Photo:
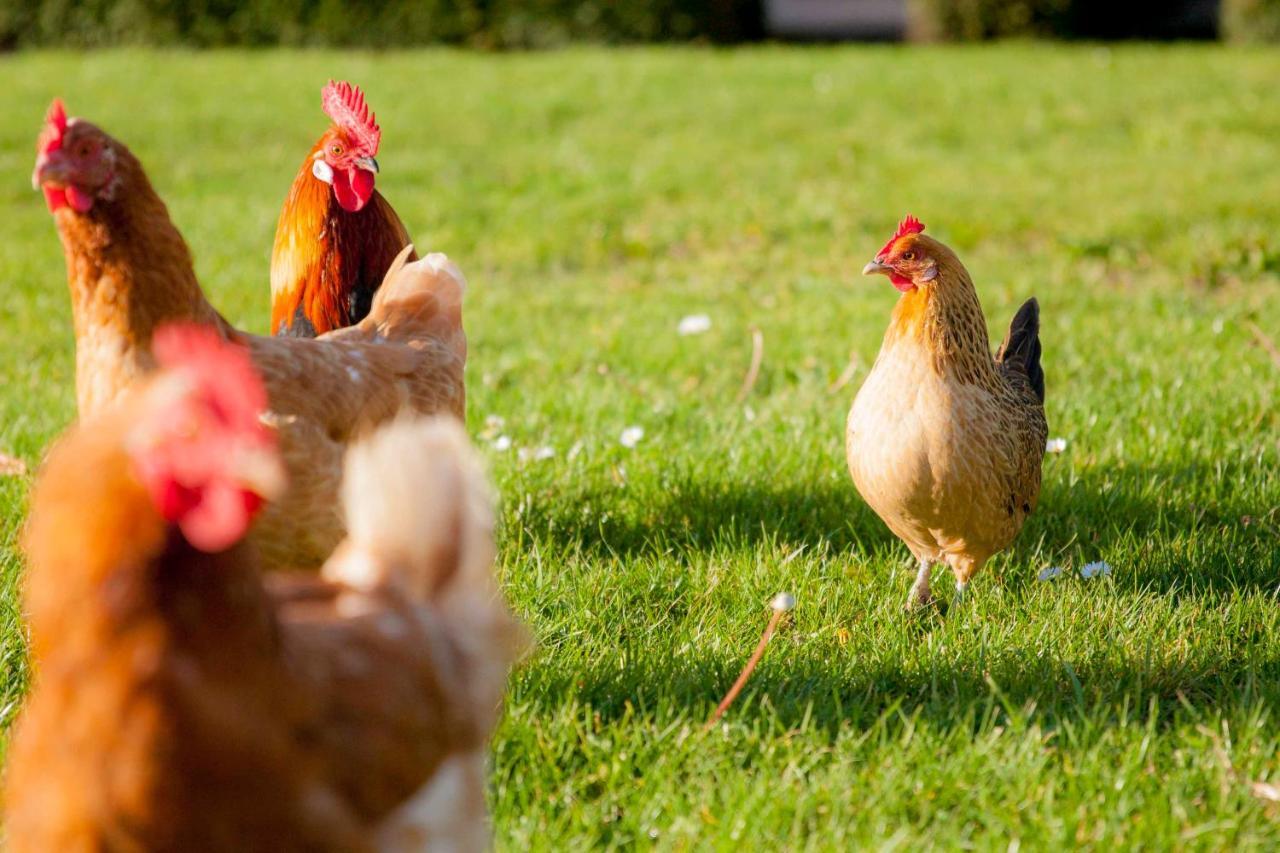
column 55, row 124
column 222, row 369
column 345, row 104
column 908, row 225
column 206, row 457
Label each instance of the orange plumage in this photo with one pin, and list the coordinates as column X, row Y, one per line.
column 336, row 235
column 180, row 702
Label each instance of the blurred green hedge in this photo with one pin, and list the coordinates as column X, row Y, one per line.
column 969, row 20
column 1251, row 20
column 370, row 23
column 545, row 23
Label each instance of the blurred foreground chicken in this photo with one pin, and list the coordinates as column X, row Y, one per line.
column 337, row 235
column 182, row 703
column 943, row 441
column 130, row 271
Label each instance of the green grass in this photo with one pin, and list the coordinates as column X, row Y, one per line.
column 594, row 198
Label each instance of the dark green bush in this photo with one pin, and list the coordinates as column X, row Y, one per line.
column 967, row 20
column 372, row 23
column 970, row 20
column 543, row 23
column 1251, row 20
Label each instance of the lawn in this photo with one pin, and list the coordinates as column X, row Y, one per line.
column 595, row 198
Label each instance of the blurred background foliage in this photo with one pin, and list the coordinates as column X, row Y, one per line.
column 513, row 24
column 373, row 23
column 1251, row 20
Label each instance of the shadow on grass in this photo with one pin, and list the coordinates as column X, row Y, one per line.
column 704, row 515
column 1102, row 510
column 1172, row 531
column 1179, row 529
column 799, row 689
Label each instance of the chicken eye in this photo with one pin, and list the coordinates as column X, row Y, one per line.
column 336, row 150
column 908, row 256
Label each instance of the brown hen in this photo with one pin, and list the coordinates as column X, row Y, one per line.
column 943, row 440
column 180, row 703
column 130, row 271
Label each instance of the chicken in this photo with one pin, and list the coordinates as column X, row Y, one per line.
column 943, row 441
column 182, row 702
column 337, row 235
column 130, row 271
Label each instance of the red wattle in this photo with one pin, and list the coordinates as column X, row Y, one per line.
column 55, row 197
column 79, row 199
column 362, row 183
column 901, row 282
column 176, row 500
column 68, row 196
column 252, row 502
column 353, row 188
column 219, row 521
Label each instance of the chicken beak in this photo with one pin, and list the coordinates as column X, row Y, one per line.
column 369, row 164
column 877, row 268
column 259, row 470
column 50, row 168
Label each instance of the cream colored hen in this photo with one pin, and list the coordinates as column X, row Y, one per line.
column 943, row 440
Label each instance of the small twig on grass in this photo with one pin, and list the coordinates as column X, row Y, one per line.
column 846, row 375
column 782, row 603
column 753, row 372
column 1265, row 342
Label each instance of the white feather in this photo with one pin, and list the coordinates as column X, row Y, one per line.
column 409, row 491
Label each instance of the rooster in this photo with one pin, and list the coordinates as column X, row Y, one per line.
column 183, row 702
column 337, row 234
column 943, row 441
column 130, row 271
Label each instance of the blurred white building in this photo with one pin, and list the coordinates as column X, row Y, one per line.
column 836, row 19
column 1095, row 19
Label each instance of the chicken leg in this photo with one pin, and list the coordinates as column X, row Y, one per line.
column 920, row 596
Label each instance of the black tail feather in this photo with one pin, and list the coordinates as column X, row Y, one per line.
column 1021, row 348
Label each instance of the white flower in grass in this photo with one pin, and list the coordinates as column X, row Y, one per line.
column 1266, row 791
column 493, row 425
column 1098, row 569
column 694, row 324
column 631, row 436
column 502, row 442
column 536, row 454
column 1050, row 572
column 11, row 466
column 1055, row 445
